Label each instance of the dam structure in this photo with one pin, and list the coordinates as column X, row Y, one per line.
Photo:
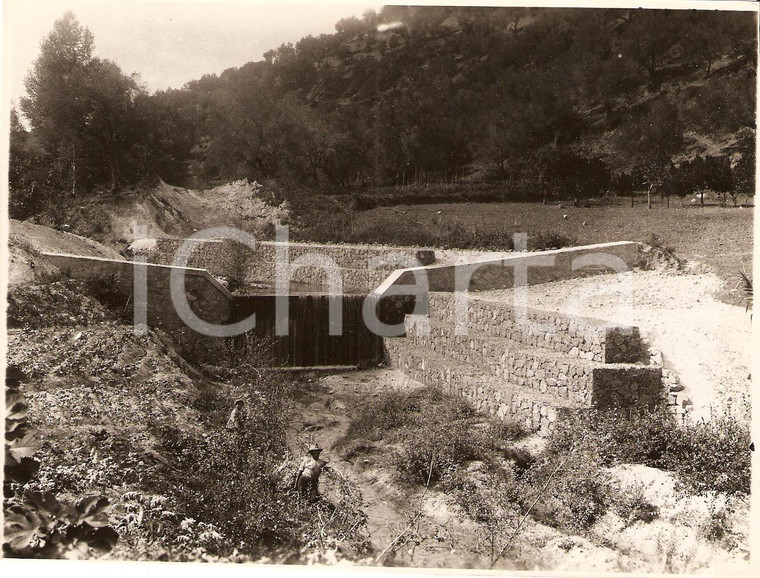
column 515, row 363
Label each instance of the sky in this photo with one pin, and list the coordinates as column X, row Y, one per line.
column 167, row 43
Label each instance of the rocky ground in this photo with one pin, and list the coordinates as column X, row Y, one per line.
column 429, row 529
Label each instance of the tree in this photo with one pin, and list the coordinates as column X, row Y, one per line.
column 651, row 139
column 568, row 174
column 80, row 107
column 111, row 97
column 29, row 179
column 744, row 173
column 245, row 124
column 649, row 36
column 54, row 105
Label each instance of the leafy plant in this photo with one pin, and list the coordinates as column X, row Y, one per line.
column 632, row 505
column 40, row 526
column 37, row 524
column 744, row 285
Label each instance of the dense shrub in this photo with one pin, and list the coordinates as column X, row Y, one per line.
column 567, row 491
column 712, row 455
column 578, row 494
column 706, row 455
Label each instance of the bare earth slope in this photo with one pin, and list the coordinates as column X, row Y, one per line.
column 172, row 211
column 27, row 240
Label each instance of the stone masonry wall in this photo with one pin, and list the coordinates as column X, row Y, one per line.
column 574, row 336
column 489, row 396
column 578, row 381
column 361, row 267
column 207, row 298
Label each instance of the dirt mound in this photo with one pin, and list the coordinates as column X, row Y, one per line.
column 43, row 238
column 168, row 211
column 59, row 304
column 25, row 242
column 104, row 354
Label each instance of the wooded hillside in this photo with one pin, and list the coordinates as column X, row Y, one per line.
column 551, row 102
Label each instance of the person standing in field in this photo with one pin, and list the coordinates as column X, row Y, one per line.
column 307, row 478
column 237, row 416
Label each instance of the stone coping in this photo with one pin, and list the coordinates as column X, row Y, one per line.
column 401, row 276
column 121, row 262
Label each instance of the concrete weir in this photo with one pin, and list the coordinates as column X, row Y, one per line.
column 522, row 365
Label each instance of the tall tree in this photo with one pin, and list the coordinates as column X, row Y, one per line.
column 80, row 107
column 55, row 86
column 651, row 140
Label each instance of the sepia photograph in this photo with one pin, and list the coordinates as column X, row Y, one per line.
column 434, row 287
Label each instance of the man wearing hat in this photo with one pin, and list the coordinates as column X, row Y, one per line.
column 311, row 466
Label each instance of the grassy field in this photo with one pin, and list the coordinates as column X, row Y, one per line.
column 720, row 238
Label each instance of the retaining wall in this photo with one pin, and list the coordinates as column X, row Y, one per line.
column 208, row 299
column 360, row 267
column 487, row 395
column 578, row 337
column 582, row 383
column 538, row 267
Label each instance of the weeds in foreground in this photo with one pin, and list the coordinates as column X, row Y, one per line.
column 567, row 485
column 40, row 524
column 425, row 423
column 744, row 285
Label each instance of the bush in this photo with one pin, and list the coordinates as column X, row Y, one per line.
column 227, row 479
column 712, row 456
column 431, row 427
column 388, row 413
column 441, row 449
column 706, row 456
column 106, row 290
column 616, row 435
column 578, row 494
column 632, row 506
